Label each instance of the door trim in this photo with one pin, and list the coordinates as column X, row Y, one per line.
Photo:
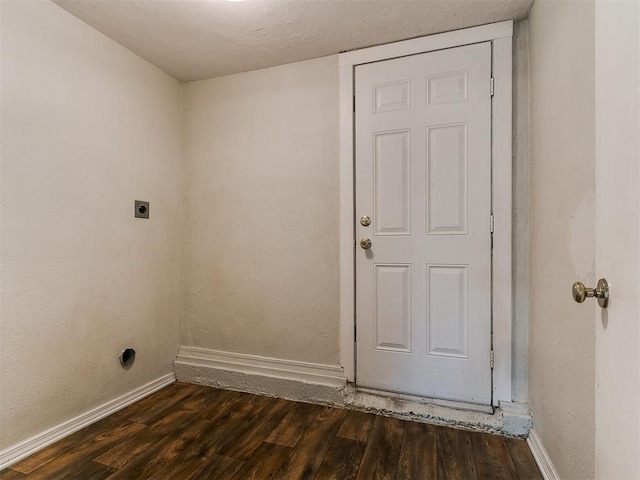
column 500, row 35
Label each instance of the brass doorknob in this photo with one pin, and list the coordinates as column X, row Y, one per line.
column 365, row 243
column 601, row 292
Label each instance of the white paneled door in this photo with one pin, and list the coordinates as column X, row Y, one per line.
column 617, row 232
column 423, row 179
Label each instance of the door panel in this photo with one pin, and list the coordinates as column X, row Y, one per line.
column 423, row 175
column 447, row 175
column 392, row 185
column 392, row 314
column 617, row 111
column 448, row 312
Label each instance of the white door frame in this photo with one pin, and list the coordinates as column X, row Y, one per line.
column 500, row 34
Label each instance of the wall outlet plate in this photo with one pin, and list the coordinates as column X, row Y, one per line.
column 141, row 209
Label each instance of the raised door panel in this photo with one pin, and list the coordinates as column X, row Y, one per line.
column 450, row 87
column 447, row 310
column 392, row 96
column 447, row 190
column 392, row 313
column 392, row 183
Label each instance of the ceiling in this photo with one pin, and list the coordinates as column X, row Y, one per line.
column 196, row 39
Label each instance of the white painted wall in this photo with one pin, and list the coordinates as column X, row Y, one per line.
column 87, row 127
column 260, row 266
column 562, row 241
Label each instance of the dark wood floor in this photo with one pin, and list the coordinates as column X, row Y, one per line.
column 192, row 432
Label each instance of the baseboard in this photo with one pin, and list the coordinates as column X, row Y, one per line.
column 21, row 450
column 541, row 457
column 265, row 366
column 326, row 384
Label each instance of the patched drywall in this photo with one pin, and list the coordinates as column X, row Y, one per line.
column 87, row 128
column 562, row 242
column 261, row 212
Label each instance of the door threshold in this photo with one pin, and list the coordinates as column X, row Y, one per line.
column 509, row 418
column 454, row 404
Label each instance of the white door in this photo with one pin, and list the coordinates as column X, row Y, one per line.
column 618, row 239
column 423, row 177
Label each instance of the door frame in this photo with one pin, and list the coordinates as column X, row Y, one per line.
column 500, row 35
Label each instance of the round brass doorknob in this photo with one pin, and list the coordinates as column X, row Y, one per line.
column 365, row 243
column 601, row 292
column 579, row 292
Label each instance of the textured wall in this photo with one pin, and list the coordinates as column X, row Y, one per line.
column 261, row 212
column 87, row 127
column 562, row 243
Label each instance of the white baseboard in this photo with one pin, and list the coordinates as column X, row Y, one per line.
column 541, row 457
column 21, row 450
column 256, row 365
column 300, row 381
column 326, row 384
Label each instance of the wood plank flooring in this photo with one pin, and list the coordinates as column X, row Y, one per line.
column 186, row 432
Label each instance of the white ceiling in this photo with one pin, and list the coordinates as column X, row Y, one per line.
column 196, row 39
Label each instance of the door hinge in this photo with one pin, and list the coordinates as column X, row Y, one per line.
column 491, row 83
column 354, row 104
column 355, row 331
column 491, row 223
column 491, row 358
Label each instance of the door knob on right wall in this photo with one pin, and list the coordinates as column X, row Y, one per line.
column 601, row 292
